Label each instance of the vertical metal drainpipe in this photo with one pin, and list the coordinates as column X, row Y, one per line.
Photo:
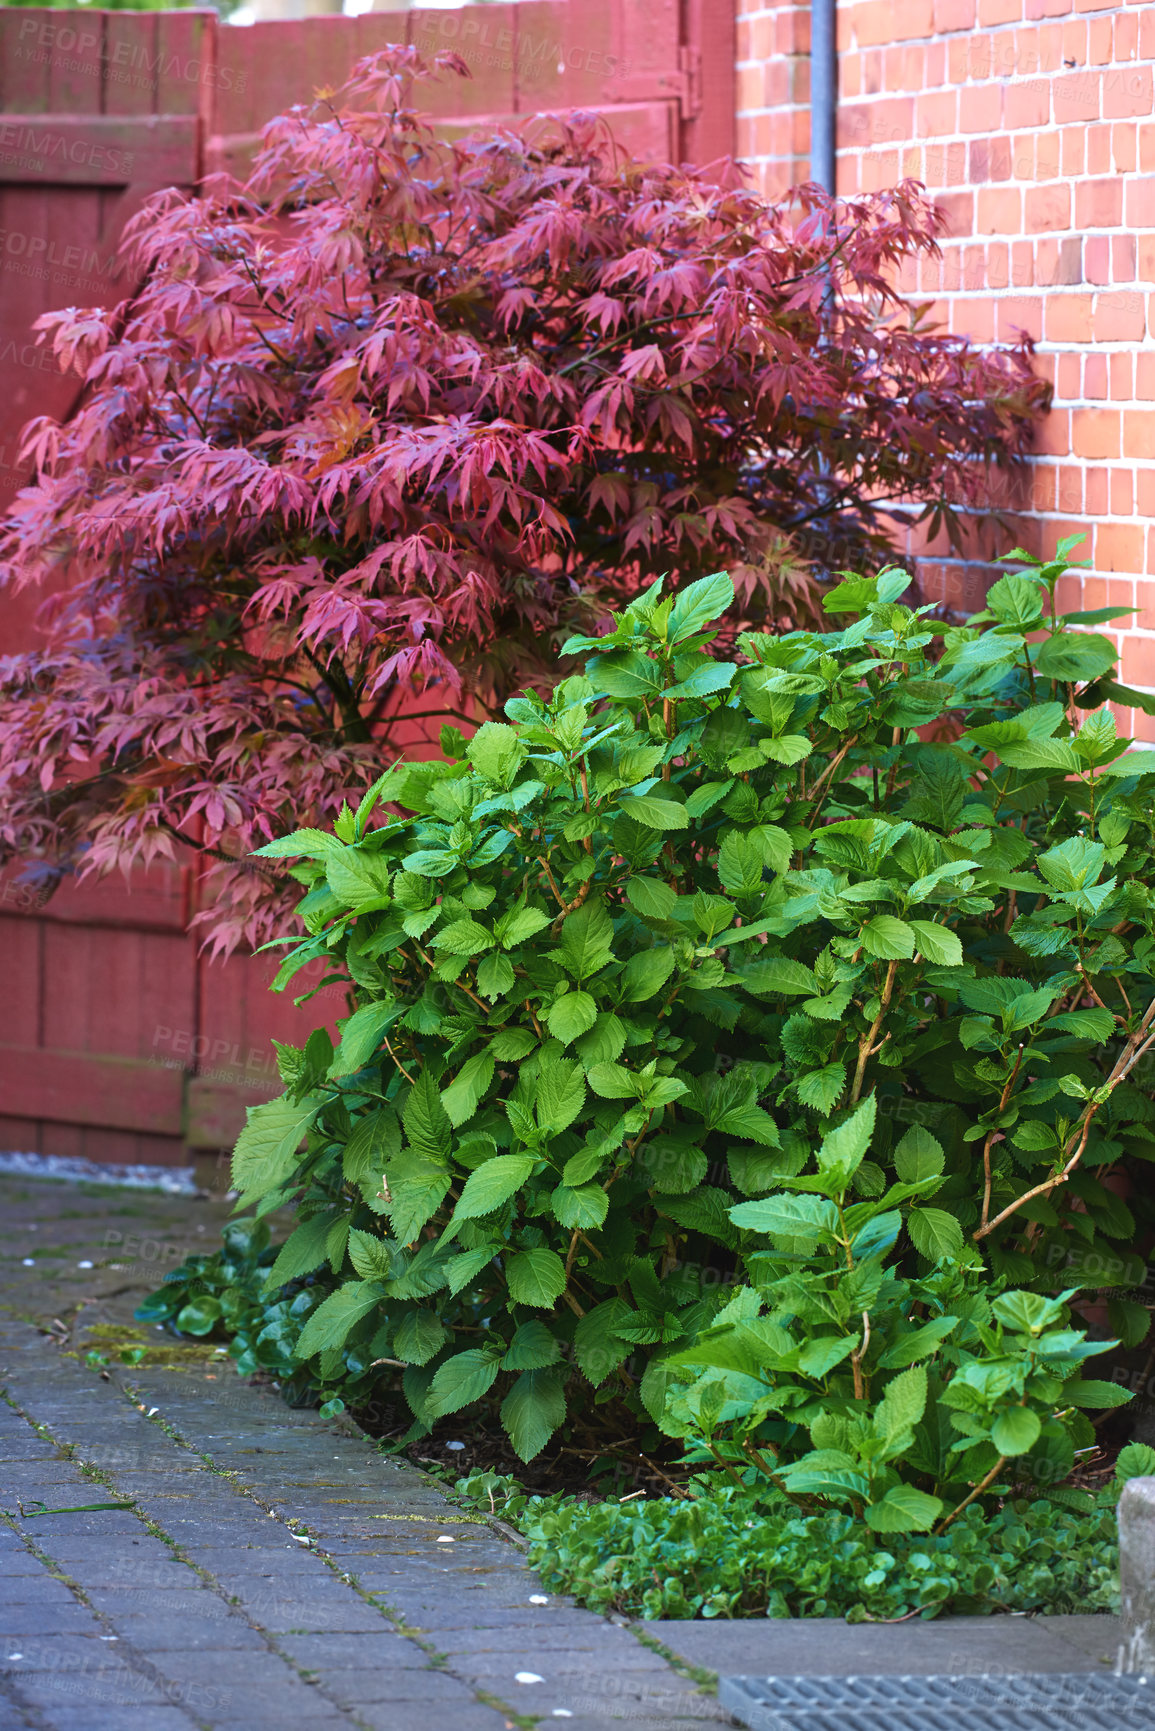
column 823, row 93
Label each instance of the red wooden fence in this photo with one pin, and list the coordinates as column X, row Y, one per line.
column 117, row 1042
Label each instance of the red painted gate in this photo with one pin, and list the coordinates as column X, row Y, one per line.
column 117, row 1042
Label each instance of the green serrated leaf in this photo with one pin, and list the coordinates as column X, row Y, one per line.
column 460, row 1381
column 329, row 1325
column 533, row 1410
column 492, row 1184
column 536, row 1277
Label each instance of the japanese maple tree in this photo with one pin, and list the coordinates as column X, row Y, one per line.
column 398, row 414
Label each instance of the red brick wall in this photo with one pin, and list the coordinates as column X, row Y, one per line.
column 1032, row 123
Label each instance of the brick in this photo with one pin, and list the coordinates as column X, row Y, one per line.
column 974, row 271
column 1070, row 488
column 1076, row 97
column 1139, row 726
column 1128, row 91
column 968, row 58
column 953, row 15
column 958, row 208
column 1019, row 315
column 1069, row 377
column 1139, row 661
column 1121, row 366
column 1022, row 145
column 1045, row 367
column 975, row 318
column 1054, row 435
column 864, row 123
column 1123, row 258
column 1047, row 207
column 999, row 11
column 1095, row 433
column 749, row 92
column 880, row 22
column 879, row 169
column 1100, row 51
column 1027, row 104
column 1099, row 203
column 936, row 115
column 1139, row 433
column 1126, row 35
column 1043, row 476
column 1099, row 155
column 999, row 210
column 1120, row 317
column 1145, row 376
column 1146, row 259
column 1124, row 147
column 1122, row 491
column 1000, row 158
column 1074, row 149
column 1139, row 202
column 979, row 161
column 1023, row 265
column 1097, row 258
column 980, row 109
column 1119, row 546
column 998, row 265
column 1095, row 377
column 1095, row 492
column 1070, row 269
column 1049, row 534
column 1047, row 154
column 1068, row 318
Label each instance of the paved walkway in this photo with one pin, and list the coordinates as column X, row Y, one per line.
column 276, row 1570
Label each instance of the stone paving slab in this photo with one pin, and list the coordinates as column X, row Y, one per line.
column 221, row 1617
column 943, row 1646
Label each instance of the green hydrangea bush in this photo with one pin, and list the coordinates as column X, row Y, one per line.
column 789, row 1006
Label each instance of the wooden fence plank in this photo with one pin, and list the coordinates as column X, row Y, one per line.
column 89, row 1088
column 99, row 149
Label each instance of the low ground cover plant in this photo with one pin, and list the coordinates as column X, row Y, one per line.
column 732, row 1066
column 398, row 415
column 721, row 1551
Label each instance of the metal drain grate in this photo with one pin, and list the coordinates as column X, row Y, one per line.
column 982, row 1703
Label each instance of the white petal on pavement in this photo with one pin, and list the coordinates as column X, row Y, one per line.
column 528, row 1677
column 561, row 1713
column 445, row 1539
column 84, row 1265
column 29, row 1262
column 538, row 1599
